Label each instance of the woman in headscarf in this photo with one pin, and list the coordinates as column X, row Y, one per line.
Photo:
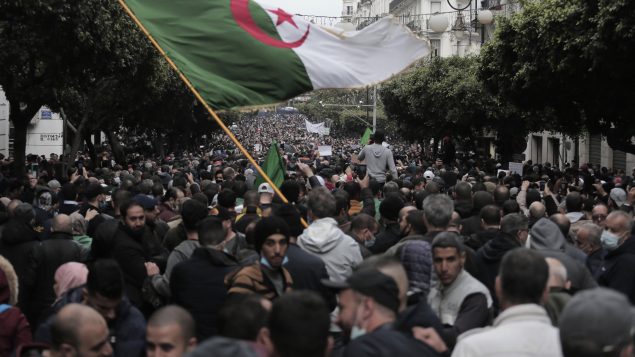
column 68, row 276
column 80, row 226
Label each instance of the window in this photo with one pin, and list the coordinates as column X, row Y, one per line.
column 435, row 48
column 435, row 6
column 349, row 10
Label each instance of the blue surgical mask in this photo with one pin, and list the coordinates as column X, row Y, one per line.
column 265, row 262
column 369, row 243
column 609, row 240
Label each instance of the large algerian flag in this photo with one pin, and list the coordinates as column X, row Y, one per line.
column 245, row 53
column 274, row 166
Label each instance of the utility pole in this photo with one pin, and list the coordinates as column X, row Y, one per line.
column 374, row 108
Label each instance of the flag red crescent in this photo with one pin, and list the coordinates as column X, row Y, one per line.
column 242, row 15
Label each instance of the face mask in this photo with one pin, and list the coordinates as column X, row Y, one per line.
column 357, row 332
column 609, row 240
column 369, row 243
column 265, row 262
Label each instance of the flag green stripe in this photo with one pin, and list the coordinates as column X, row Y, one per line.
column 226, row 65
column 365, row 137
column 274, row 166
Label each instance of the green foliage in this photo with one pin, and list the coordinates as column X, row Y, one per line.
column 572, row 59
column 445, row 97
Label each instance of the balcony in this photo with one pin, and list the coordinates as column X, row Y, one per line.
column 396, row 4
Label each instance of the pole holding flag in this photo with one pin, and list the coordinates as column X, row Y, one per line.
column 239, row 53
column 207, row 107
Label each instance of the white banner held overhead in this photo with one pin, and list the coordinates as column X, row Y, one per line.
column 325, row 150
column 314, row 128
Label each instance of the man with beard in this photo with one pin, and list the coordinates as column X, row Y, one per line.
column 134, row 247
column 411, row 227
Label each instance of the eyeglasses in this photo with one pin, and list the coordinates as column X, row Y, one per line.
column 598, row 217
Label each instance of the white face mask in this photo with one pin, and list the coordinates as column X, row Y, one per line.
column 609, row 240
column 357, row 332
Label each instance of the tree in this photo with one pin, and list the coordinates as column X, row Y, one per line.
column 444, row 97
column 571, row 59
column 28, row 64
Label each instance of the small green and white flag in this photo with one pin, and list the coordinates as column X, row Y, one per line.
column 240, row 53
column 365, row 137
column 274, row 166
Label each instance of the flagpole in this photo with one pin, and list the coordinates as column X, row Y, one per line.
column 204, row 103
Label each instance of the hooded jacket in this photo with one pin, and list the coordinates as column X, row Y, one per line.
column 15, row 328
column 340, row 253
column 378, row 160
column 488, row 260
column 546, row 238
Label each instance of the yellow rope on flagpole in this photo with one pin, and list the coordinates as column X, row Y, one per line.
column 207, row 107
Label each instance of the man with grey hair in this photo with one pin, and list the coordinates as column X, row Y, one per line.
column 618, row 269
column 437, row 213
column 512, row 235
column 340, row 253
column 588, row 240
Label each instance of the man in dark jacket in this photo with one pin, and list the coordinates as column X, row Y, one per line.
column 69, row 199
column 198, row 283
column 135, row 245
column 18, row 240
column 45, row 258
column 104, row 292
column 94, row 194
column 618, row 270
column 369, row 304
column 512, row 235
column 389, row 209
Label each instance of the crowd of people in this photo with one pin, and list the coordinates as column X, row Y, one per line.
column 378, row 250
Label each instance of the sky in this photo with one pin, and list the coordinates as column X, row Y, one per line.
column 310, row 7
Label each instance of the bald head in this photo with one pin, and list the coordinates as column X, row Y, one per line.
column 557, row 274
column 174, row 315
column 12, row 206
column 536, row 210
column 563, row 223
column 71, row 321
column 62, row 223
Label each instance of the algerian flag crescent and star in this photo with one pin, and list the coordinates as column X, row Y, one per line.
column 239, row 53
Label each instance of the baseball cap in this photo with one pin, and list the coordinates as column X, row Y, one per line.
column 265, row 188
column 619, row 196
column 428, row 175
column 372, row 283
column 145, row 201
column 599, row 321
